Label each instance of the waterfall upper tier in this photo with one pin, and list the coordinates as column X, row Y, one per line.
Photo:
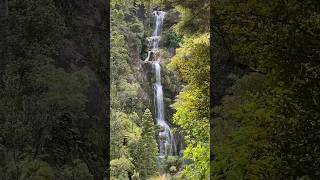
column 155, row 38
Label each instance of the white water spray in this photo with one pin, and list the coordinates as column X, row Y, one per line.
column 167, row 141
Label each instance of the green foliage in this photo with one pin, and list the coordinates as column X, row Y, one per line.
column 125, row 39
column 37, row 28
column 194, row 16
column 42, row 105
column 77, row 170
column 172, row 169
column 120, row 168
column 171, row 161
column 194, row 54
column 135, row 176
column 145, row 151
column 170, row 39
column 133, row 147
column 267, row 126
column 123, row 128
column 192, row 104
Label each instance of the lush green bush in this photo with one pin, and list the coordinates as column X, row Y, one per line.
column 120, row 168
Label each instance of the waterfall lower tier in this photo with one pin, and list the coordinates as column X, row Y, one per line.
column 166, row 137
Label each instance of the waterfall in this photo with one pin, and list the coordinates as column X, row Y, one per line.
column 155, row 38
column 167, row 142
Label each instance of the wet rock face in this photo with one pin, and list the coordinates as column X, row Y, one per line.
column 154, row 55
column 180, row 142
column 141, row 12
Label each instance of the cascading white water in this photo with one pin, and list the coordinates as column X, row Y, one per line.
column 155, row 38
column 167, row 142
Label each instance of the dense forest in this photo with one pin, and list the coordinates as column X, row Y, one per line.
column 161, row 89
column 53, row 87
column 185, row 76
column 266, row 116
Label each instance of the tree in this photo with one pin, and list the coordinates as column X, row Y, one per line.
column 145, row 151
column 192, row 104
